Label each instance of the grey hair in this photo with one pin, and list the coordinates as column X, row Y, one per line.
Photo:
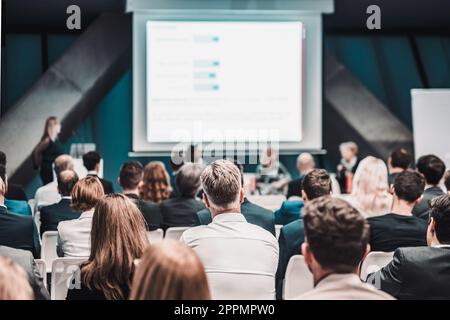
column 221, row 182
column 187, row 179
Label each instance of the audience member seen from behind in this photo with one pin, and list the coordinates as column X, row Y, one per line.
column 271, row 174
column 252, row 212
column 305, row 163
column 15, row 191
column 400, row 228
column 433, row 169
column 17, row 206
column 316, row 184
column 17, row 231
column 336, row 240
column 155, row 185
column 347, row 166
column 118, row 237
column 447, row 181
column 421, row 272
column 399, row 161
column 48, row 149
column 370, row 192
column 240, row 259
column 91, row 161
column 130, row 177
column 74, row 235
column 53, row 214
column 181, row 210
column 13, row 281
column 48, row 194
column 170, row 270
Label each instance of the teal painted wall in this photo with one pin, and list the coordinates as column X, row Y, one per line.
column 384, row 64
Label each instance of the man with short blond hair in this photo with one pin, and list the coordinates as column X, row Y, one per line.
column 240, row 258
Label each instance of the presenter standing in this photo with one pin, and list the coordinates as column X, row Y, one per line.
column 48, row 149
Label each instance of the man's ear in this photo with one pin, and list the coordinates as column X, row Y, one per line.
column 419, row 199
column 368, row 249
column 304, row 196
column 118, row 181
column 392, row 189
column 241, row 195
column 205, row 200
column 306, row 252
column 97, row 167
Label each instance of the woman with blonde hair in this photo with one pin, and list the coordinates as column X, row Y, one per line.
column 170, row 270
column 155, row 184
column 118, row 237
column 14, row 283
column 370, row 189
column 74, row 234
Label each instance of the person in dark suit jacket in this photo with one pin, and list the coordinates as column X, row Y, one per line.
column 421, row 272
column 91, row 160
column 305, row 163
column 26, row 261
column 16, row 231
column 253, row 213
column 433, row 169
column 15, row 191
column 130, row 176
column 317, row 183
column 52, row 215
column 400, row 228
column 181, row 211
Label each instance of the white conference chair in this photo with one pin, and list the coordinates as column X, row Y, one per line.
column 32, row 204
column 298, row 279
column 278, row 230
column 270, row 202
column 48, row 248
column 155, row 235
column 42, row 270
column 65, row 275
column 373, row 262
column 175, row 233
column 37, row 220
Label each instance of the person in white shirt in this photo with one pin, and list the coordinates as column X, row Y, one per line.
column 49, row 194
column 336, row 240
column 74, row 236
column 240, row 258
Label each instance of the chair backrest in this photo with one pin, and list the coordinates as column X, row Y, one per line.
column 373, row 262
column 278, row 230
column 65, row 274
column 32, row 204
column 155, row 235
column 37, row 220
column 175, row 232
column 42, row 269
column 48, row 249
column 298, row 279
column 270, row 202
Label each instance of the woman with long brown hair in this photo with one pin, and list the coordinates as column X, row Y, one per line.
column 155, row 184
column 170, row 270
column 118, row 237
column 48, row 149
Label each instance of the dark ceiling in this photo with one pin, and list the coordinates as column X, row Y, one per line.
column 424, row 16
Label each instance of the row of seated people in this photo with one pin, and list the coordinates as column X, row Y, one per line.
column 212, row 261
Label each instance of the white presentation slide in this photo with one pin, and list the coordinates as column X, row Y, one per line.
column 224, row 81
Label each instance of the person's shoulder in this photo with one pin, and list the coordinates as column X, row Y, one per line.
column 293, row 226
column 13, row 252
column 257, row 209
column 66, row 225
column 260, row 233
column 194, row 233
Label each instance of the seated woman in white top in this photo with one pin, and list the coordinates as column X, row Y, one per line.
column 74, row 236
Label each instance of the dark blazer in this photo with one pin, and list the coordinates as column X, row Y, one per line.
column 416, row 273
column 16, row 192
column 19, row 232
column 424, row 204
column 295, row 188
column 290, row 211
column 290, row 241
column 107, row 185
column 180, row 211
column 55, row 213
column 26, row 261
column 253, row 214
column 391, row 231
column 150, row 211
column 341, row 175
